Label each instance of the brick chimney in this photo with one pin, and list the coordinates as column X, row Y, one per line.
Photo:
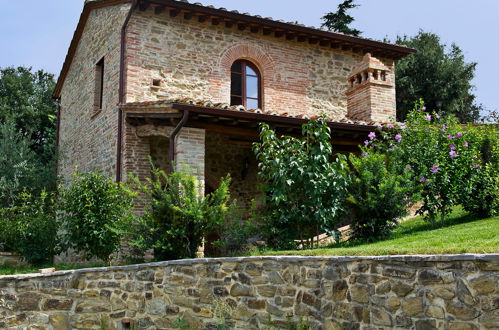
column 371, row 93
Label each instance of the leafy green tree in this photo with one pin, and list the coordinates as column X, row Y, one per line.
column 93, row 209
column 439, row 75
column 29, row 228
column 304, row 187
column 340, row 21
column 16, row 163
column 177, row 217
column 26, row 100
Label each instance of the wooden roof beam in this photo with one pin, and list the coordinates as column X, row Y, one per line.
column 324, row 42
column 143, row 6
column 346, row 47
column 335, row 45
column 159, row 9
column 202, row 18
column 174, row 12
column 267, row 31
column 255, row 29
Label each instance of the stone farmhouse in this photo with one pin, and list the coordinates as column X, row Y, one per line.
column 189, row 84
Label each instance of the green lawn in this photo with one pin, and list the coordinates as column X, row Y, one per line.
column 461, row 234
column 7, row 270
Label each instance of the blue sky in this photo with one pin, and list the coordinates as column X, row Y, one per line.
column 37, row 33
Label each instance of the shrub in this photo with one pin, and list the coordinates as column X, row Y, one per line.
column 439, row 153
column 30, row 228
column 304, row 188
column 236, row 238
column 92, row 211
column 378, row 195
column 481, row 193
column 177, row 216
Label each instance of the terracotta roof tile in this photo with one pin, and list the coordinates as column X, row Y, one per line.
column 225, row 106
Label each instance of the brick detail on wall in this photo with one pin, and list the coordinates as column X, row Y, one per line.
column 190, row 151
column 250, row 52
column 171, row 58
column 371, row 95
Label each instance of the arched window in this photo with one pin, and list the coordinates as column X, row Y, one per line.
column 246, row 85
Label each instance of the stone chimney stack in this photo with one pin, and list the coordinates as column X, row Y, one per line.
column 371, row 93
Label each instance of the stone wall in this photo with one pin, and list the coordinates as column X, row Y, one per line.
column 226, row 156
column 88, row 136
column 188, row 59
column 409, row 292
column 144, row 141
column 10, row 260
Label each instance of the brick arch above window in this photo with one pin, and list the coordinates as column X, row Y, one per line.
column 252, row 53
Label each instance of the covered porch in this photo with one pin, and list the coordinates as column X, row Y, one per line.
column 213, row 141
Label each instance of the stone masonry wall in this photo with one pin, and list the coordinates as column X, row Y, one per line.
column 405, row 292
column 88, row 137
column 140, row 144
column 225, row 156
column 192, row 60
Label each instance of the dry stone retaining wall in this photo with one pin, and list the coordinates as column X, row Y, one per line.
column 405, row 292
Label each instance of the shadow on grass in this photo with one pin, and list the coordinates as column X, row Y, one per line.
column 457, row 217
column 418, row 224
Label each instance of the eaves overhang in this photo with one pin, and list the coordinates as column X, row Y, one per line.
column 291, row 31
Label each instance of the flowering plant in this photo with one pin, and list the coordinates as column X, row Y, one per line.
column 439, row 153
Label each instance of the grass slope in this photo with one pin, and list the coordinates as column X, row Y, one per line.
column 14, row 270
column 462, row 234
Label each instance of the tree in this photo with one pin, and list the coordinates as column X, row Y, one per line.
column 26, row 101
column 30, row 228
column 437, row 74
column 304, row 189
column 93, row 210
column 16, row 162
column 340, row 21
